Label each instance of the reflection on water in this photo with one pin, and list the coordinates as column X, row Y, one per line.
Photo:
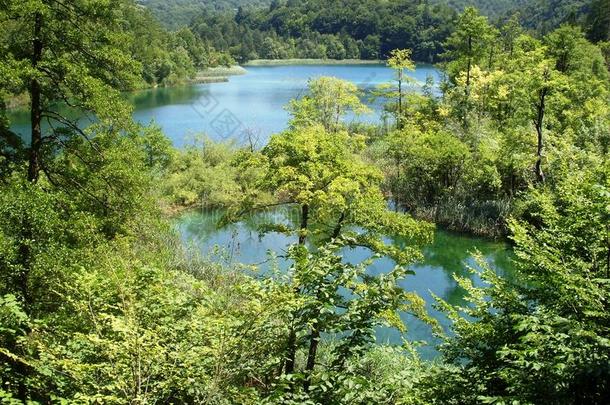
column 449, row 255
column 162, row 96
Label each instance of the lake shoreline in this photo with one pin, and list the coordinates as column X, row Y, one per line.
column 296, row 61
column 219, row 74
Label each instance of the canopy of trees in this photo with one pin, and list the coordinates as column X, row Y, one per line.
column 367, row 29
column 370, row 29
column 175, row 14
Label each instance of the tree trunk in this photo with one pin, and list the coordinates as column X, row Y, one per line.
column 467, row 87
column 397, row 188
column 291, row 352
column 36, row 108
column 469, row 65
column 314, row 340
column 292, row 344
column 491, row 57
column 339, row 225
column 607, row 251
column 399, row 115
column 539, row 123
column 304, row 220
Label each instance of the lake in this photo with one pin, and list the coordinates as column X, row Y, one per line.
column 450, row 254
column 255, row 102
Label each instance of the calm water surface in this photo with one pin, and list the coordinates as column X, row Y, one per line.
column 253, row 102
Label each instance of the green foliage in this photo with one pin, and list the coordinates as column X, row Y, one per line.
column 399, row 60
column 100, row 303
column 167, row 58
column 367, row 29
column 512, row 109
column 175, row 14
column 321, row 173
column 546, row 338
column 160, row 335
column 469, row 44
column 327, row 102
column 543, row 16
column 341, row 300
column 203, row 174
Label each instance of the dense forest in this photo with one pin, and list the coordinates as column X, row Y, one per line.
column 370, row 29
column 178, row 13
column 100, row 302
column 366, row 29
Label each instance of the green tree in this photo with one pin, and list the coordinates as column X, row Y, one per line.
column 542, row 344
column 327, row 102
column 341, row 299
column 510, row 31
column 400, row 60
column 75, row 52
column 335, row 192
column 468, row 44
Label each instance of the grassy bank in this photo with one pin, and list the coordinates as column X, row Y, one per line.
column 277, row 62
column 218, row 74
column 485, row 219
column 18, row 101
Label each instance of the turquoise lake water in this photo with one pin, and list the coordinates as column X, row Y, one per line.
column 252, row 102
column 450, row 254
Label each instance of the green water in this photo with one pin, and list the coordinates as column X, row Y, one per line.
column 450, row 254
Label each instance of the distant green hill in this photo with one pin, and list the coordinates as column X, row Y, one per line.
column 537, row 15
column 177, row 13
column 534, row 13
column 546, row 15
column 542, row 16
column 491, row 8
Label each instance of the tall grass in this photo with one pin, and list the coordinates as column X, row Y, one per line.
column 482, row 218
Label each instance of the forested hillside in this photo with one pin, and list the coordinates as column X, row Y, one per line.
column 543, row 16
column 369, row 29
column 338, row 29
column 490, row 8
column 102, row 302
column 166, row 57
column 174, row 14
